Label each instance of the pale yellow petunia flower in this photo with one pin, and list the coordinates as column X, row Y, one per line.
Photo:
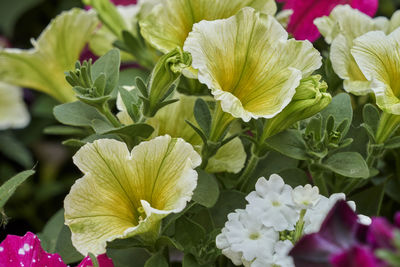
column 124, row 194
column 378, row 57
column 170, row 120
column 13, row 112
column 56, row 51
column 340, row 29
column 170, row 21
column 249, row 64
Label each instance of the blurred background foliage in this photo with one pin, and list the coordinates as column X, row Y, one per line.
column 42, row 195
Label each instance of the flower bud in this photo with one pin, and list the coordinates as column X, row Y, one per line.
column 310, row 98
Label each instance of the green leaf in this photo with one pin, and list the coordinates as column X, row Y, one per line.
column 62, row 130
column 340, row 108
column 314, row 127
column 128, row 76
column 157, row 260
column 349, row 164
column 8, row 188
column 391, row 189
column 363, row 199
column 188, row 233
column 202, row 115
column 371, row 116
column 228, row 201
column 73, row 142
column 77, row 114
column 56, row 238
column 125, row 243
column 134, row 130
column 123, row 257
column 190, row 261
column 109, row 65
column 393, row 143
column 163, row 241
column 294, row 177
column 290, row 143
column 207, row 191
column 389, row 257
column 13, row 149
column 100, row 126
column 132, row 103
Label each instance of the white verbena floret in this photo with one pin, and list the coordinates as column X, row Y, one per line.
column 305, row 196
column 273, row 199
column 244, row 238
column 256, row 235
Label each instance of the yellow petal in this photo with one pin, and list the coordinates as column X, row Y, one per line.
column 170, row 22
column 124, row 193
column 340, row 29
column 171, row 120
column 378, row 57
column 56, row 51
column 231, row 157
column 13, row 112
column 248, row 63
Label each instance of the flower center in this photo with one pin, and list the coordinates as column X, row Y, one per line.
column 276, row 203
column 254, row 236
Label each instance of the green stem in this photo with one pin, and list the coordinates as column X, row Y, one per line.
column 299, row 227
column 105, row 110
column 388, row 123
column 220, row 122
column 248, row 171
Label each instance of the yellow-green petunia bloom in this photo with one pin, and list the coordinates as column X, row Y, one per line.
column 170, row 21
column 170, row 120
column 13, row 112
column 56, row 51
column 378, row 57
column 102, row 40
column 124, row 194
column 249, row 64
column 340, row 29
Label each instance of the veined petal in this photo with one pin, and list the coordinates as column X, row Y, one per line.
column 231, row 157
column 305, row 11
column 13, row 112
column 103, row 38
column 248, row 63
column 378, row 57
column 171, row 120
column 123, row 194
column 341, row 28
column 170, row 22
column 56, row 51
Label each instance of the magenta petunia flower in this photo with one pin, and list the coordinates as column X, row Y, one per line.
column 301, row 23
column 339, row 243
column 17, row 251
column 124, row 2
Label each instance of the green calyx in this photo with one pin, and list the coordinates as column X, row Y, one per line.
column 163, row 80
column 310, row 98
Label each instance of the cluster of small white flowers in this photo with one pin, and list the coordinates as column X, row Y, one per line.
column 263, row 233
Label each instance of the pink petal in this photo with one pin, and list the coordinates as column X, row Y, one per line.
column 124, row 2
column 301, row 23
column 16, row 251
column 355, row 257
column 103, row 260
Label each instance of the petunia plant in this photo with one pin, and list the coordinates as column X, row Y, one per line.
column 204, row 133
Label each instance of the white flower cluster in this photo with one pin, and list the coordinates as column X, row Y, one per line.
column 277, row 215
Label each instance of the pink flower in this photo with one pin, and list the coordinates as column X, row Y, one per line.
column 124, row 2
column 17, row 251
column 305, row 11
